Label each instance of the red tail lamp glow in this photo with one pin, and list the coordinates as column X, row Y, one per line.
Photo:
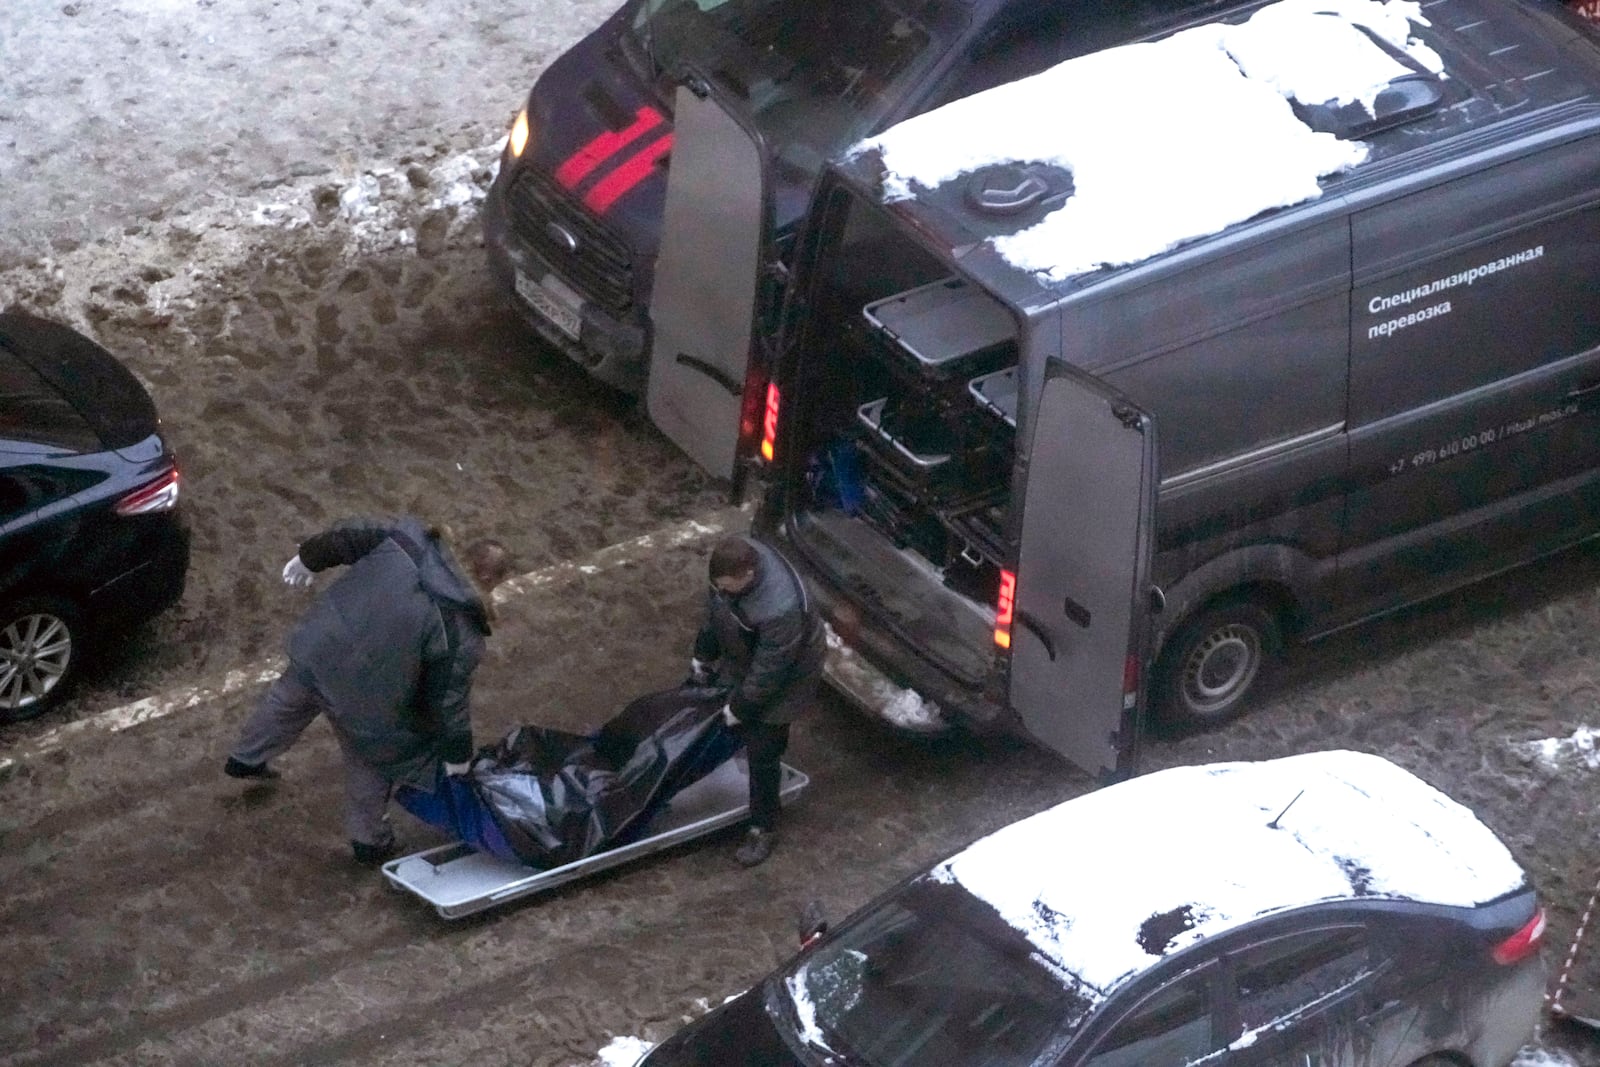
column 769, row 424
column 159, row 495
column 1522, row 944
column 1005, row 607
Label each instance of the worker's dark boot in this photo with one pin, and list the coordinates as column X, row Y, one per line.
column 239, row 769
column 372, row 855
column 756, row 846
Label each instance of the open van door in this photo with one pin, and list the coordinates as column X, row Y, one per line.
column 713, row 234
column 1082, row 597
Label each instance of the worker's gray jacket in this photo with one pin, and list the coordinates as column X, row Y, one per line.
column 392, row 644
column 768, row 643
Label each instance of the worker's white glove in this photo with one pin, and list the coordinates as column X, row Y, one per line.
column 297, row 573
column 699, row 672
column 728, row 715
column 456, row 770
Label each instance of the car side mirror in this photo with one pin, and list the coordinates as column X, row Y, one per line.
column 812, row 923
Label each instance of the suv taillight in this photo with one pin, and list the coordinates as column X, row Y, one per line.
column 159, row 495
column 1004, row 608
column 1522, row 944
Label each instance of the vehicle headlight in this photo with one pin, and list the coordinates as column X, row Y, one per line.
column 518, row 139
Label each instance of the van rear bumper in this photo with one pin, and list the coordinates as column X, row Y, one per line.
column 868, row 663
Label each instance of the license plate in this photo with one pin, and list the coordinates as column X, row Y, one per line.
column 546, row 303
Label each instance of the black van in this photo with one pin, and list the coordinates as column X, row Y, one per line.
column 1369, row 396
column 573, row 220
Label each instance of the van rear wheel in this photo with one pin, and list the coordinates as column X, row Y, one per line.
column 1211, row 667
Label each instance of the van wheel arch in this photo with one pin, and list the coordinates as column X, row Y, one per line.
column 1212, row 662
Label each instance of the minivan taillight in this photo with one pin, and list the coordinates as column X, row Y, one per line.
column 1130, row 683
column 159, row 495
column 1522, row 944
column 1005, row 608
column 769, row 423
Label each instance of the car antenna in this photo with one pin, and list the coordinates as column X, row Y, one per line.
column 1273, row 825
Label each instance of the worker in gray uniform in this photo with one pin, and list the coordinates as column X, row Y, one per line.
column 387, row 653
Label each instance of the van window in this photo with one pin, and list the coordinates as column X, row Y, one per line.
column 1237, row 353
column 1474, row 280
column 816, row 74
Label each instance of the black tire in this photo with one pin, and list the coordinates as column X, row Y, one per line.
column 40, row 638
column 1213, row 664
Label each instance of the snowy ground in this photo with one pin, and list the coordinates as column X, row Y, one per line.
column 117, row 114
column 183, row 171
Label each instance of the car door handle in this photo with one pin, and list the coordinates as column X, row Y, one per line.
column 1033, row 626
column 716, row 374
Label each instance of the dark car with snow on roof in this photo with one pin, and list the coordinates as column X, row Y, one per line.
column 1329, row 909
column 573, row 220
column 91, row 538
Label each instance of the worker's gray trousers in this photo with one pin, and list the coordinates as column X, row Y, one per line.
column 284, row 712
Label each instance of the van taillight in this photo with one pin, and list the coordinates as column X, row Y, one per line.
column 1130, row 682
column 769, row 423
column 1005, row 607
column 159, row 495
column 1524, row 943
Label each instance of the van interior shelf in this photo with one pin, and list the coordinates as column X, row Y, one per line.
column 948, row 329
column 997, row 393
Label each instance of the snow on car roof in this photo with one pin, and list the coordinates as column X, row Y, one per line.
column 1107, row 884
column 1166, row 140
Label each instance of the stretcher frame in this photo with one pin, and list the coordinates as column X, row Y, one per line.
column 459, row 881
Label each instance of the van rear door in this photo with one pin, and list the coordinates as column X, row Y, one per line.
column 1080, row 619
column 713, row 234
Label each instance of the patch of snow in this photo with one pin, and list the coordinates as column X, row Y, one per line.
column 1582, row 747
column 1533, row 1056
column 377, row 208
column 1355, row 825
column 1210, row 103
column 623, row 1052
column 805, row 1012
column 899, row 705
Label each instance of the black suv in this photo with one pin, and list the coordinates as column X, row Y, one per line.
column 91, row 539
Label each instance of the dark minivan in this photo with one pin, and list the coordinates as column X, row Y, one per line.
column 573, row 221
column 1373, row 383
column 91, row 538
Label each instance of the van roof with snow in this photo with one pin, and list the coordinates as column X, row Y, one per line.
column 1058, row 181
column 1220, row 845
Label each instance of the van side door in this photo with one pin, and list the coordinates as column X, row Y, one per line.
column 1474, row 375
column 1079, row 618
column 714, row 236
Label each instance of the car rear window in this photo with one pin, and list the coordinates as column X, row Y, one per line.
column 31, row 411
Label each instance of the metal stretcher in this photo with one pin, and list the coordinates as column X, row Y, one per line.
column 460, row 881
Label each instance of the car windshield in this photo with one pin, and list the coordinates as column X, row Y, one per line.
column 932, row 977
column 815, row 74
